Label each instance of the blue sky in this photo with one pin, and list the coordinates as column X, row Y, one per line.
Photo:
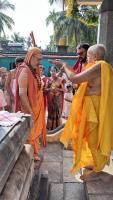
column 30, row 15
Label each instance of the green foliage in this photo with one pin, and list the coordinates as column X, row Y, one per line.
column 63, row 2
column 5, row 20
column 81, row 26
column 89, row 15
column 4, row 40
column 51, row 47
column 56, row 1
column 75, row 10
column 17, row 38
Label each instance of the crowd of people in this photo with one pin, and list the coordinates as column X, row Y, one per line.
column 25, row 88
column 57, row 89
column 82, row 95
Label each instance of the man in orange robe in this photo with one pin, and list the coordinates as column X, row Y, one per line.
column 90, row 125
column 29, row 97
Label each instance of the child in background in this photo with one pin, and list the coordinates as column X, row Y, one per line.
column 67, row 101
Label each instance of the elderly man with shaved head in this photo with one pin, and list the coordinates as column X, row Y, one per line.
column 29, row 97
column 90, row 125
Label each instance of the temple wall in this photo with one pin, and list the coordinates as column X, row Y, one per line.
column 6, row 61
column 105, row 33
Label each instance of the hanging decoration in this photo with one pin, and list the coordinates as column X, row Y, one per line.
column 70, row 4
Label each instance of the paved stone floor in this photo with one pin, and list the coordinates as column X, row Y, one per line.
column 67, row 186
column 63, row 184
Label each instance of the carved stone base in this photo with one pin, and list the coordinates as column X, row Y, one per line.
column 11, row 144
column 18, row 183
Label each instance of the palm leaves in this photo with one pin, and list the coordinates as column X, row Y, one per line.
column 53, row 18
column 17, row 38
column 81, row 26
column 63, row 2
column 89, row 15
column 4, row 19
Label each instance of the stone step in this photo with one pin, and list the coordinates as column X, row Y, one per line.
column 74, row 191
column 44, row 186
column 101, row 186
column 67, row 191
column 35, row 184
column 56, row 191
column 100, row 189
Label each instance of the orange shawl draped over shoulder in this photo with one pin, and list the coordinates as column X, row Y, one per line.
column 36, row 101
column 84, row 113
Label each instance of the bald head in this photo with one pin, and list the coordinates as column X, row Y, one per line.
column 98, row 50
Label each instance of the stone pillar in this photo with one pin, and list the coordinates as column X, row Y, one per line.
column 105, row 33
column 62, row 45
column 61, row 48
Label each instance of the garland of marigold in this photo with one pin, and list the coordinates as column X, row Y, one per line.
column 69, row 7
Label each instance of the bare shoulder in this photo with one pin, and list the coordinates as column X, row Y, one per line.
column 12, row 73
column 91, row 73
column 23, row 77
column 95, row 68
column 24, row 72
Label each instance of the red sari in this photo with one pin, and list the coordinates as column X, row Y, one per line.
column 54, row 101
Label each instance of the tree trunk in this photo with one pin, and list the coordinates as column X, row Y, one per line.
column 63, row 4
column 76, row 40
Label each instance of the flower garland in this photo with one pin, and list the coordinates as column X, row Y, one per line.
column 36, row 76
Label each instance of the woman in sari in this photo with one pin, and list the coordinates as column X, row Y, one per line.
column 55, row 91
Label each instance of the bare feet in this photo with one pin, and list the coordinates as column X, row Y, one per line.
column 96, row 176
column 36, row 158
column 89, row 167
column 90, row 176
column 37, row 161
